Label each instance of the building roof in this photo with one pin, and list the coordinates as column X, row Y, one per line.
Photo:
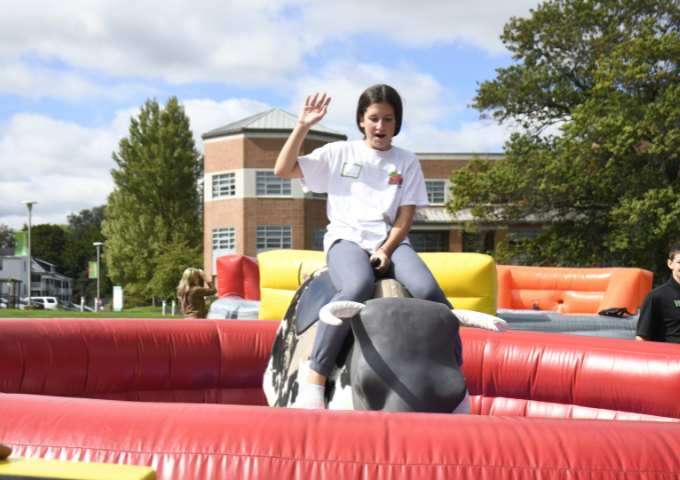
column 442, row 215
column 459, row 156
column 271, row 121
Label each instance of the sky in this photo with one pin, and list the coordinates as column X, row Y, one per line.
column 75, row 72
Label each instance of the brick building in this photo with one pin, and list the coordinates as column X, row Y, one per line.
column 248, row 209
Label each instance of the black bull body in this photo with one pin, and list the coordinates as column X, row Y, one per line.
column 400, row 356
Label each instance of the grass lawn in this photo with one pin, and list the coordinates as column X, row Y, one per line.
column 139, row 312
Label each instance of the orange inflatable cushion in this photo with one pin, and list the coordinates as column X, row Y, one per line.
column 572, row 290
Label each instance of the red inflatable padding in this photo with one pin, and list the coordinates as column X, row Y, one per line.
column 137, row 359
column 222, row 361
column 226, row 441
column 614, row 375
column 238, row 276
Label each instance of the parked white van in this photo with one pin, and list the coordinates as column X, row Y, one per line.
column 48, row 303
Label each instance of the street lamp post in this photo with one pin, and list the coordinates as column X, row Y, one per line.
column 29, row 204
column 98, row 245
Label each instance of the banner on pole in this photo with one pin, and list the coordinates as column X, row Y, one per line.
column 20, row 244
column 117, row 298
column 92, row 270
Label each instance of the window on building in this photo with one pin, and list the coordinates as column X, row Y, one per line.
column 224, row 239
column 479, row 242
column 223, row 243
column 273, row 236
column 433, row 241
column 268, row 184
column 224, row 185
column 317, row 238
column 436, row 191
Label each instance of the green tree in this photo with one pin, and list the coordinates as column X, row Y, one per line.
column 155, row 202
column 47, row 243
column 84, row 228
column 595, row 89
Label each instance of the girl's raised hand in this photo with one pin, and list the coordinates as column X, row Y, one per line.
column 314, row 110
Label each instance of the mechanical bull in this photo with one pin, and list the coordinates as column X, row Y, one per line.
column 400, row 356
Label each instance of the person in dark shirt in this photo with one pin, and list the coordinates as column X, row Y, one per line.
column 660, row 314
column 193, row 287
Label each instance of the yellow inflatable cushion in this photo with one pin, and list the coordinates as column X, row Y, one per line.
column 35, row 468
column 467, row 279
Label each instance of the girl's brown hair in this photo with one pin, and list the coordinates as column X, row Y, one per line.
column 380, row 94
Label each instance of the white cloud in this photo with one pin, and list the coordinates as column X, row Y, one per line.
column 37, row 145
column 177, row 42
column 416, row 24
column 261, row 42
column 66, row 167
column 57, row 195
column 63, row 166
column 40, row 82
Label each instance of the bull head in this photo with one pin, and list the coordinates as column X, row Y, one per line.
column 404, row 353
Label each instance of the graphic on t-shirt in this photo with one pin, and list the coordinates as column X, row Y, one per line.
column 395, row 178
column 677, row 303
column 350, row 170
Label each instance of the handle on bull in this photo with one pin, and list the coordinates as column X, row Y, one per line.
column 335, row 313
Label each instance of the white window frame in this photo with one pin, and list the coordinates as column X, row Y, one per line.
column 226, row 235
column 429, row 185
column 269, row 185
column 223, row 185
column 270, row 237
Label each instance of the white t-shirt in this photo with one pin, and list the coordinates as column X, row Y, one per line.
column 365, row 189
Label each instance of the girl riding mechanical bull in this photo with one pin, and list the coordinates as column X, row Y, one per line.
column 373, row 189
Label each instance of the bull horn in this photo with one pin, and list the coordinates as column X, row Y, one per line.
column 333, row 313
column 470, row 318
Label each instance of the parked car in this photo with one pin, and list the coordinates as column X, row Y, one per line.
column 48, row 303
column 34, row 304
column 3, row 302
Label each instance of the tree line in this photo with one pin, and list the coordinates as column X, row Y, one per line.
column 594, row 91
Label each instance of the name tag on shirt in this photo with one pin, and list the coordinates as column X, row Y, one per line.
column 350, row 170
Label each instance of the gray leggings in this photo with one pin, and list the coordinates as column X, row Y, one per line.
column 354, row 279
